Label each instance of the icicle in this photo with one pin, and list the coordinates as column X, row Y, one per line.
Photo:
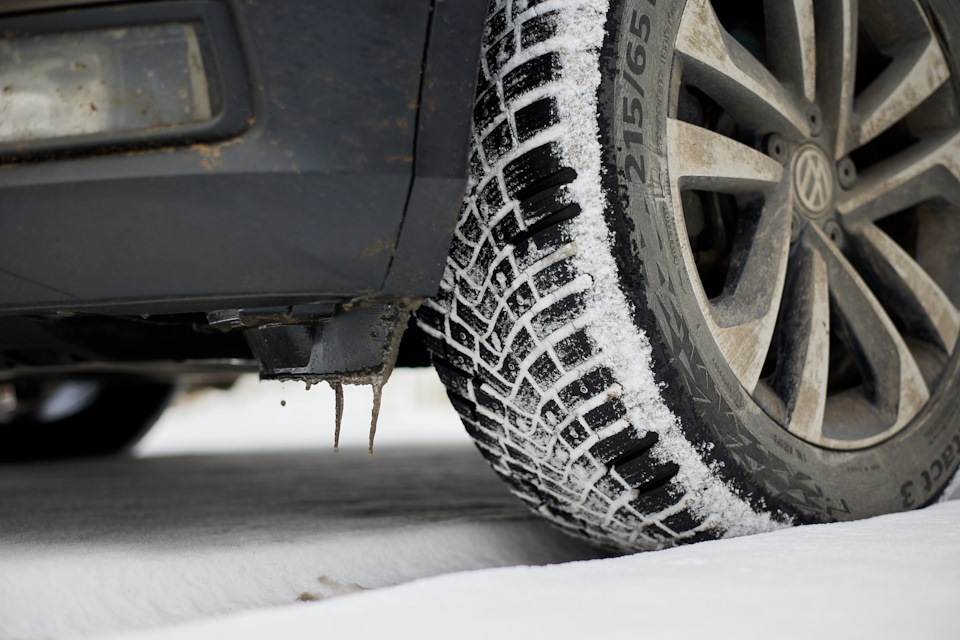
column 377, row 393
column 338, row 389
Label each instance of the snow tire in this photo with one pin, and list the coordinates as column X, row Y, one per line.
column 566, row 335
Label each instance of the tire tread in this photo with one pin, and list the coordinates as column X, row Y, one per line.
column 507, row 332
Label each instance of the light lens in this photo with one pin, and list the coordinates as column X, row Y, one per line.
column 101, row 82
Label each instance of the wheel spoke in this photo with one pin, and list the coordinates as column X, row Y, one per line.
column 927, row 169
column 912, row 78
column 836, row 24
column 702, row 159
column 801, row 379
column 904, row 286
column 893, row 381
column 745, row 315
column 721, row 66
column 743, row 320
column 791, row 44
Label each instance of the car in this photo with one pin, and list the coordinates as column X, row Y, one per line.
column 687, row 269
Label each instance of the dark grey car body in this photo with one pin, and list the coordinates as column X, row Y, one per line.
column 332, row 176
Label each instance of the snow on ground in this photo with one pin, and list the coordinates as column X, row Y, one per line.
column 238, row 502
column 238, row 521
column 892, row 577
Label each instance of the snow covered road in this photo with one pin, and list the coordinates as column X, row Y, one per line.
column 222, row 531
column 220, row 513
column 895, row 577
column 105, row 545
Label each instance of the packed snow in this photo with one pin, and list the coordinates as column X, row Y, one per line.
column 238, row 521
column 892, row 577
column 238, row 501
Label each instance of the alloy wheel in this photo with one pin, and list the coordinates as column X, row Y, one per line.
column 814, row 151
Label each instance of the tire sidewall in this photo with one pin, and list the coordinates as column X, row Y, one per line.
column 768, row 465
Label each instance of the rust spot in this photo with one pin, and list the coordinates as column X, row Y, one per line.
column 400, row 159
column 214, row 150
column 212, row 153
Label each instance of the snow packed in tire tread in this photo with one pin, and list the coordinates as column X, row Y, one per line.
column 507, row 333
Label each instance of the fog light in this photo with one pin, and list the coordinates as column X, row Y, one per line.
column 100, row 82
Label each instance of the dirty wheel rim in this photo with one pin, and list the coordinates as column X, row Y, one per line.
column 810, row 158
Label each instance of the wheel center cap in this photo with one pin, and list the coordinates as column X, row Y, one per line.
column 813, row 180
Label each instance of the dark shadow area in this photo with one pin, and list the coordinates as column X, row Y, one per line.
column 265, row 496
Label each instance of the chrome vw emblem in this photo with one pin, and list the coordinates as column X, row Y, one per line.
column 813, row 180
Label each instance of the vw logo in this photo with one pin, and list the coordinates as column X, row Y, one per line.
column 813, row 180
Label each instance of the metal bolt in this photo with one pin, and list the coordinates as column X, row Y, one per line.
column 846, row 173
column 834, row 232
column 815, row 120
column 777, row 148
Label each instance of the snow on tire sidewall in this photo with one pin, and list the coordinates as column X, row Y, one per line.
column 609, row 315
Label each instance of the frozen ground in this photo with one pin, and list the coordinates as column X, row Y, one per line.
column 200, row 537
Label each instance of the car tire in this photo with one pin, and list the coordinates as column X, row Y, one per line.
column 704, row 279
column 80, row 417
